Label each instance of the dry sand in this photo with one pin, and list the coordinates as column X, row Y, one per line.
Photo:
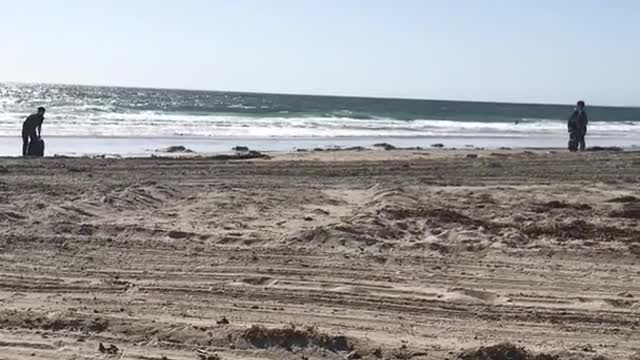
column 373, row 254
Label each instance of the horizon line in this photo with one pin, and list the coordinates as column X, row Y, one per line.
column 313, row 94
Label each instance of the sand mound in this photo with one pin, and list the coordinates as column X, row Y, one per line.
column 395, row 218
column 140, row 196
column 390, row 226
column 341, row 234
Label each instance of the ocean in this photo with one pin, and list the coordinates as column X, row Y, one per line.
column 89, row 120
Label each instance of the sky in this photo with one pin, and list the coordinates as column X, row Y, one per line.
column 538, row 51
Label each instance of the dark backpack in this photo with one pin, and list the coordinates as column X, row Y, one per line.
column 36, row 148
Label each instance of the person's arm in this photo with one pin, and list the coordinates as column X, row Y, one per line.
column 586, row 121
column 40, row 127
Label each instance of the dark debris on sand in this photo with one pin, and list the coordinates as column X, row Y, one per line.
column 203, row 355
column 176, row 149
column 504, row 351
column 288, row 338
column 630, row 210
column 555, row 204
column 604, row 148
column 624, row 199
column 111, row 350
column 508, row 351
column 384, row 146
column 252, row 154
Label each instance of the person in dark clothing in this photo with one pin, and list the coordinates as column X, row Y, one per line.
column 578, row 128
column 31, row 129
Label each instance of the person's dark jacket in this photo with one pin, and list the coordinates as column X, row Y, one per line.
column 578, row 121
column 32, row 123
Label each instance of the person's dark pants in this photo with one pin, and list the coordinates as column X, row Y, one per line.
column 581, row 142
column 28, row 137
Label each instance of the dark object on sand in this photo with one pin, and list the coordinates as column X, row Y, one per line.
column 624, row 199
column 385, row 146
column 223, row 321
column 111, row 350
column 437, row 145
column 36, row 148
column 262, row 338
column 241, row 149
column 630, row 210
column 204, row 355
column 175, row 234
column 605, row 148
column 238, row 156
column 505, row 351
column 176, row 149
column 252, row 154
column 472, row 156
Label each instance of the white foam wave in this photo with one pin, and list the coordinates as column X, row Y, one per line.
column 158, row 124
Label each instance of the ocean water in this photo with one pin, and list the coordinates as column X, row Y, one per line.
column 112, row 112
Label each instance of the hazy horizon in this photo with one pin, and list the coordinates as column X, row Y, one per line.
column 531, row 52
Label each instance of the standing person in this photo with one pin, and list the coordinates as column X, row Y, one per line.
column 31, row 129
column 578, row 127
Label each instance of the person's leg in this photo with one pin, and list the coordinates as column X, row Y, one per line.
column 25, row 143
column 583, row 144
column 33, row 138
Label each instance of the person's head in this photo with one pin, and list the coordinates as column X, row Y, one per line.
column 41, row 110
column 580, row 105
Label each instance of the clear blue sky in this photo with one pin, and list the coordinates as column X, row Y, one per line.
column 504, row 50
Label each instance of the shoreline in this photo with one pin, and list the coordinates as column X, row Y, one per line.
column 152, row 146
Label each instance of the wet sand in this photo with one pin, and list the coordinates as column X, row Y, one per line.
column 147, row 146
column 372, row 254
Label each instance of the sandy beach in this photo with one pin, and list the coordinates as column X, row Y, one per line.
column 322, row 255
